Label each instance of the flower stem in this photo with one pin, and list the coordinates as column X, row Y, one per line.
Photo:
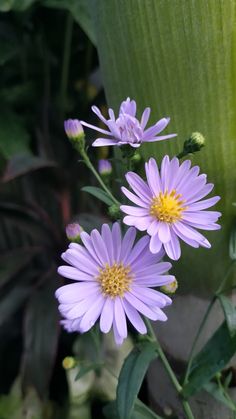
column 96, row 174
column 170, row 372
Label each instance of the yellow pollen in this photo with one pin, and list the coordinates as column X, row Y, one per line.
column 167, row 206
column 115, row 280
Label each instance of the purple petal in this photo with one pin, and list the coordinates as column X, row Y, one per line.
column 164, row 232
column 99, row 246
column 153, row 176
column 145, row 117
column 116, row 237
column 155, row 244
column 107, row 238
column 134, row 198
column 154, row 281
column 91, row 316
column 141, row 223
column 103, row 131
column 134, row 317
column 153, row 228
column 139, row 186
column 106, row 318
column 204, row 204
column 140, row 246
column 159, row 138
column 155, row 129
column 127, row 244
column 140, row 306
column 119, row 318
column 172, row 248
column 136, row 211
column 72, row 293
column 99, row 114
column 100, row 142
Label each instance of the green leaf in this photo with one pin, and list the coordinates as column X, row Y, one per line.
column 214, row 356
column 213, row 389
column 84, row 369
column 81, row 11
column 41, row 333
column 14, row 138
column 140, row 411
column 17, row 5
column 229, row 312
column 131, row 377
column 98, row 193
column 22, row 164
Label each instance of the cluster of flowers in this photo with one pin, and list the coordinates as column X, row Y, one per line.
column 115, row 276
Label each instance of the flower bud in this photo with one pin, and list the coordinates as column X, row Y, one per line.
column 194, row 143
column 104, row 167
column 170, row 288
column 114, row 211
column 73, row 232
column 69, row 362
column 74, row 130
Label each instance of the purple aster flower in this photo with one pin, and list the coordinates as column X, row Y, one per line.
column 73, row 232
column 127, row 129
column 114, row 280
column 170, row 205
column 104, row 167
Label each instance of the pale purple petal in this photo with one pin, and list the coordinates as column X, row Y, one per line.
column 92, row 314
column 134, row 317
column 145, row 117
column 104, row 142
column 134, row 198
column 155, row 244
column 127, row 244
column 172, row 248
column 155, row 129
column 106, row 318
column 164, row 232
column 139, row 186
column 119, row 318
column 103, row 131
column 136, row 211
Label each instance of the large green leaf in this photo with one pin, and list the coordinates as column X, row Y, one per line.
column 21, row 164
column 214, row 356
column 131, row 377
column 168, row 55
column 98, row 193
column 229, row 312
column 140, row 411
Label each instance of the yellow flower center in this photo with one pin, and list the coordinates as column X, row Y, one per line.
column 115, row 280
column 167, row 207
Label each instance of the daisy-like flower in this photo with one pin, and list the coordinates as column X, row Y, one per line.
column 170, row 206
column 113, row 278
column 127, row 129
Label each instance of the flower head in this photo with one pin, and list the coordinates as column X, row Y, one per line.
column 113, row 281
column 170, row 206
column 104, row 167
column 127, row 129
column 73, row 129
column 73, row 232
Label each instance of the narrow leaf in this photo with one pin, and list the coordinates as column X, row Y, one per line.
column 229, row 312
column 98, row 193
column 213, row 389
column 214, row 356
column 140, row 411
column 131, row 377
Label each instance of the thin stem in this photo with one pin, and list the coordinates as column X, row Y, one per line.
column 170, row 372
column 99, row 179
column 66, row 60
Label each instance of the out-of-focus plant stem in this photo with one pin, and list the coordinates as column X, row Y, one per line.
column 170, row 372
column 66, row 62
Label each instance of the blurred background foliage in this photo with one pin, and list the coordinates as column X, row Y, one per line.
column 49, row 70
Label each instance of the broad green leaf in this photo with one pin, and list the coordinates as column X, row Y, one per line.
column 229, row 312
column 168, row 55
column 131, row 377
column 99, row 193
column 84, row 369
column 41, row 333
column 14, row 138
column 21, row 164
column 214, row 356
column 213, row 389
column 81, row 12
column 140, row 411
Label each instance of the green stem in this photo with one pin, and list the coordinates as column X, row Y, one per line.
column 97, row 176
column 170, row 372
column 66, row 61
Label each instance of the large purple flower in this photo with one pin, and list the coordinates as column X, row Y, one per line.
column 170, row 205
column 114, row 279
column 127, row 129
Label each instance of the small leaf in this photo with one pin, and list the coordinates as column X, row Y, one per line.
column 22, row 164
column 98, row 193
column 214, row 356
column 229, row 312
column 131, row 377
column 213, row 389
column 84, row 369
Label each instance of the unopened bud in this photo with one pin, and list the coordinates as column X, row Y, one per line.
column 74, row 130
column 194, row 143
column 170, row 288
column 104, row 167
column 73, row 232
column 114, row 211
column 69, row 362
column 136, row 159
